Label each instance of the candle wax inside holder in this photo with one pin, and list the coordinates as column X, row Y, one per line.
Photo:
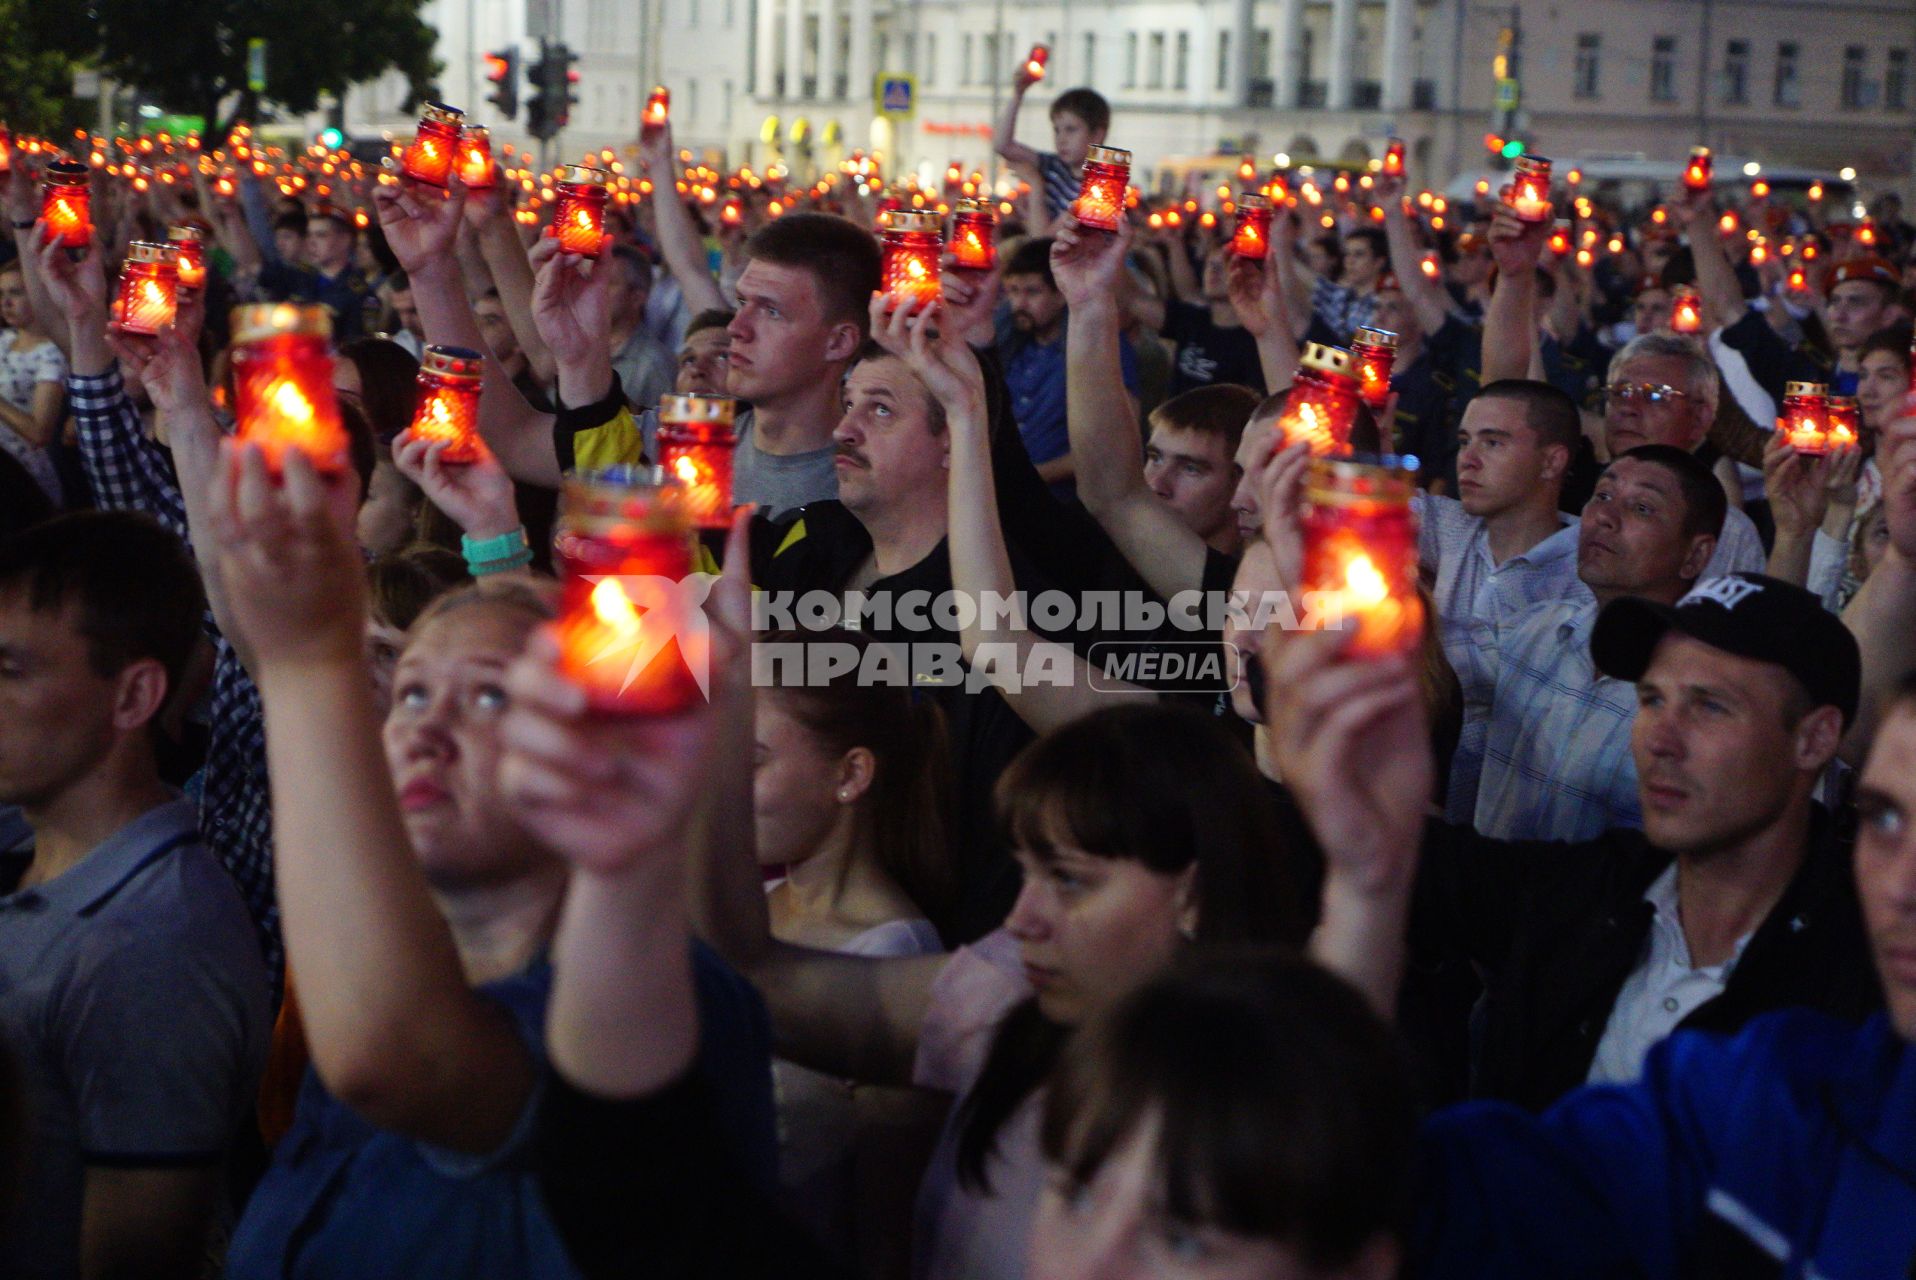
column 1362, row 559
column 286, row 400
column 626, row 627
column 699, row 456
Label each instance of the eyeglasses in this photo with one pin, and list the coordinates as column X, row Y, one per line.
column 1649, row 393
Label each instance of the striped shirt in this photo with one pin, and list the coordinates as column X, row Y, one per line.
column 1061, row 185
column 1557, row 763
column 1342, row 309
column 1474, row 598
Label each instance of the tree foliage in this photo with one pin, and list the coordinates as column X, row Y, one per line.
column 189, row 56
column 35, row 81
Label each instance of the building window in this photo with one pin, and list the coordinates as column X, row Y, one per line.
column 1089, row 72
column 1736, row 73
column 1663, row 69
column 1223, row 61
column 1130, row 59
column 931, row 61
column 1789, row 91
column 1855, row 63
column 988, row 63
column 691, row 13
column 1589, row 64
column 1896, row 81
column 1154, row 62
column 1181, row 64
column 1261, row 54
column 964, row 69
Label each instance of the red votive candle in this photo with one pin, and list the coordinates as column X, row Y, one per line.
column 189, row 254
column 435, row 147
column 475, row 158
column 1845, row 418
column 1530, row 189
column 1322, row 404
column 283, row 374
column 1100, row 202
column 1360, row 552
column 974, row 230
column 658, row 108
column 1035, row 60
column 1805, row 419
column 448, row 408
column 66, row 203
column 1251, row 238
column 579, row 220
column 1697, row 173
column 149, row 288
column 626, row 630
column 913, row 247
column 1374, row 353
column 1560, row 238
column 696, row 448
column 1686, row 310
column 1394, row 158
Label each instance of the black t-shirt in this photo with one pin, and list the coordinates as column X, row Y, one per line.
column 1210, row 353
column 1431, row 393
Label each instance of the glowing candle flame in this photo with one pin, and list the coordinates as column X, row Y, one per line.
column 291, row 404
column 1363, row 583
column 686, row 470
column 614, row 608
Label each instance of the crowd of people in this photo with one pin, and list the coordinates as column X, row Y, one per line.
column 342, row 934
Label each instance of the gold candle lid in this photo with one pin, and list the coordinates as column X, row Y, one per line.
column 1252, row 202
column 1805, row 389
column 148, row 251
column 476, row 133
column 1108, row 155
column 66, row 173
column 1321, row 357
column 258, row 321
column 1845, row 403
column 1683, row 291
column 185, row 232
column 590, row 175
column 1533, row 164
column 692, row 408
column 975, row 206
column 440, row 113
column 1374, row 338
column 1699, row 153
column 453, row 362
column 913, row 220
column 1339, row 481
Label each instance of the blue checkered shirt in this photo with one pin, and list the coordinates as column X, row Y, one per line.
column 1557, row 763
column 1474, row 599
column 131, row 471
column 1342, row 309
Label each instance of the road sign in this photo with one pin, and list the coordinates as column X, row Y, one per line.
column 896, row 95
column 256, row 64
column 1507, row 94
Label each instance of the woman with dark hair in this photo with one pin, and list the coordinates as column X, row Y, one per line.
column 376, row 377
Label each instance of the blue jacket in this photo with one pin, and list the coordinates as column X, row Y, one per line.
column 1787, row 1151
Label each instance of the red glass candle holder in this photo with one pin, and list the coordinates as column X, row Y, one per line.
column 66, row 203
column 1394, row 158
column 1697, row 173
column 283, row 376
column 658, row 109
column 1035, row 62
column 1529, row 196
column 1805, row 420
column 475, row 158
column 149, row 288
column 1322, row 404
column 1373, row 354
column 1866, row 233
column 1686, row 310
column 1561, row 237
column 579, row 219
column 435, row 147
column 1844, row 416
column 1100, row 202
column 189, row 254
column 627, row 631
column 696, row 447
column 1360, row 553
column 6, row 150
column 1251, row 238
column 448, row 409
column 913, row 247
column 974, row 232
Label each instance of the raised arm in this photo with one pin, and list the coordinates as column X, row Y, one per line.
column 679, row 240
column 1797, row 487
column 1102, row 422
column 1883, row 614
column 1510, row 322
column 495, row 237
column 395, row 1032
column 1257, row 292
column 1425, row 294
column 1004, row 133
column 1715, row 278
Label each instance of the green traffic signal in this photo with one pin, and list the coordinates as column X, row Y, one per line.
column 1512, row 149
column 332, row 139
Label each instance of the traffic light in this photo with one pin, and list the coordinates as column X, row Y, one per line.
column 552, row 81
column 332, row 137
column 502, row 69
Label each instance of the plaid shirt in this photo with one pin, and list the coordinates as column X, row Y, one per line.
column 130, row 471
column 1557, row 763
column 1342, row 309
column 1474, row 598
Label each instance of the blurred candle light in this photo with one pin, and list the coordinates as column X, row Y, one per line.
column 449, row 379
column 1252, row 236
column 1360, row 552
column 475, row 158
column 434, row 148
column 283, row 373
column 1805, row 418
column 974, row 228
column 1529, row 195
column 1100, row 202
column 697, row 446
column 1373, row 352
column 1322, row 404
column 189, row 254
column 1697, row 173
column 913, row 246
column 579, row 219
column 149, row 288
column 66, row 203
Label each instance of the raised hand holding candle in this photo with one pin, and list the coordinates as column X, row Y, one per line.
column 1805, row 419
column 1529, row 196
column 1697, row 173
column 913, row 247
column 283, row 376
column 1100, row 202
column 628, row 634
column 1322, row 404
column 149, row 289
column 66, row 203
column 579, row 219
column 1686, row 310
column 1360, row 552
column 1251, row 238
column 1394, row 158
column 475, row 158
column 974, row 227
column 1035, row 62
column 697, row 446
column 1374, row 352
column 435, row 147
column 448, row 409
column 658, row 108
